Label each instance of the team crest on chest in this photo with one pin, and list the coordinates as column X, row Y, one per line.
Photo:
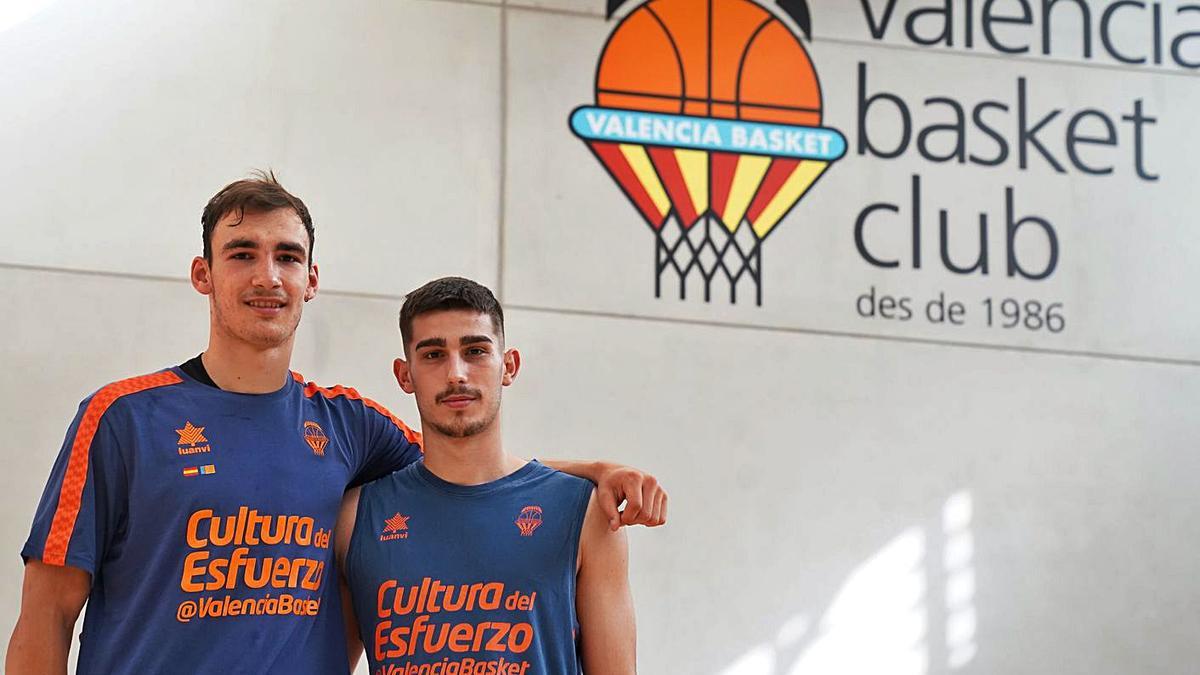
column 315, row 436
column 529, row 520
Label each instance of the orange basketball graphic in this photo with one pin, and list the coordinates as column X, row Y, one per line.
column 708, row 112
column 720, row 58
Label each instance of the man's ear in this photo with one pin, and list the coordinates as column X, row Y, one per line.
column 512, row 364
column 310, row 291
column 201, row 276
column 403, row 376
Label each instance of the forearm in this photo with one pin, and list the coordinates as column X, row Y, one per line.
column 645, row 500
column 591, row 470
column 40, row 644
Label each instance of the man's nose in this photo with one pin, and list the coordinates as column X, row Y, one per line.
column 266, row 274
column 457, row 371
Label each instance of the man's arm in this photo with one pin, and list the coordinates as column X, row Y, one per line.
column 341, row 543
column 51, row 598
column 645, row 500
column 59, row 569
column 391, row 445
column 607, row 631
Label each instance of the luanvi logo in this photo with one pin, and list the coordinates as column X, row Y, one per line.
column 708, row 116
column 395, row 527
column 190, row 434
column 190, row 439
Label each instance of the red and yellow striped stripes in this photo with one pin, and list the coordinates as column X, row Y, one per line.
column 631, row 168
column 784, row 184
column 70, row 495
column 692, row 183
column 684, row 173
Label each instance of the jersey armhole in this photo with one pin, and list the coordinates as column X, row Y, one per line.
column 585, row 497
column 354, row 536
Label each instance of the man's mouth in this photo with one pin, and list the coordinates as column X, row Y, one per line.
column 457, row 400
column 265, row 306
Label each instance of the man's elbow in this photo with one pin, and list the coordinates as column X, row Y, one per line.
column 51, row 600
column 40, row 643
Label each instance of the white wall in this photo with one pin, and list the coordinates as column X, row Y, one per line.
column 848, row 494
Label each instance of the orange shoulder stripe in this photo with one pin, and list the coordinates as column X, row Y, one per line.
column 312, row 389
column 70, row 496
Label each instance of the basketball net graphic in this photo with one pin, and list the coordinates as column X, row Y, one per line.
column 708, row 117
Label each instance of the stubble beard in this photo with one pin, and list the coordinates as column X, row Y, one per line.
column 464, row 428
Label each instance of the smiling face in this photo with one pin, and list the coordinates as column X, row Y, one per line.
column 456, row 367
column 259, row 277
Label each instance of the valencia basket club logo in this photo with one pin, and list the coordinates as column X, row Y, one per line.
column 708, row 117
column 528, row 520
column 315, row 436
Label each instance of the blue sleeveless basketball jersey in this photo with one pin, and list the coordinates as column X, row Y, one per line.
column 205, row 518
column 453, row 579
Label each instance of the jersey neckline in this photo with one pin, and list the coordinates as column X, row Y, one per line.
column 515, row 478
column 271, row 396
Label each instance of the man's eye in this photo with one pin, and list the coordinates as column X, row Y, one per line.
column 240, row 256
column 430, row 355
column 289, row 258
column 477, row 351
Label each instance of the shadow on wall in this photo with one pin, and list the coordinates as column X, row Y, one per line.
column 908, row 610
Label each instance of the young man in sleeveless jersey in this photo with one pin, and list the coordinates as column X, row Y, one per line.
column 473, row 560
column 192, row 509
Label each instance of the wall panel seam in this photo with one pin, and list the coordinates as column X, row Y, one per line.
column 1108, row 356
column 873, row 44
column 1044, row 351
column 502, row 197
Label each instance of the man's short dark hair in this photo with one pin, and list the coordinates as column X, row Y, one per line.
column 449, row 293
column 258, row 194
